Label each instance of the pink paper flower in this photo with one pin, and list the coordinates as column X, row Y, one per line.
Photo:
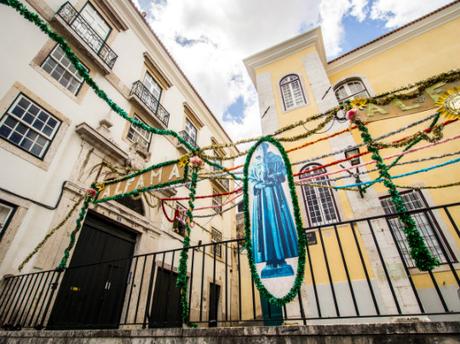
column 91, row 192
column 196, row 161
column 351, row 114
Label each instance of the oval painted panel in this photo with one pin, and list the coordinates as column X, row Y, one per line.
column 271, row 227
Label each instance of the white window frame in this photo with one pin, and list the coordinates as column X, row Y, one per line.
column 350, row 94
column 191, row 130
column 320, row 203
column 292, row 92
column 138, row 134
column 66, row 67
column 152, row 86
column 426, row 225
column 216, row 236
column 217, row 201
column 11, row 209
column 31, row 128
column 96, row 21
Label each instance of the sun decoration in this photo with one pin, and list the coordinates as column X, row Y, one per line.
column 449, row 103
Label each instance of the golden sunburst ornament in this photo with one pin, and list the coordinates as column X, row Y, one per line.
column 449, row 103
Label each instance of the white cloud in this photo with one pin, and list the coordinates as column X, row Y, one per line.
column 209, row 39
column 396, row 12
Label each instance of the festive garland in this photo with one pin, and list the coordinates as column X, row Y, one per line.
column 298, row 221
column 83, row 72
column 406, row 174
column 422, row 256
column 182, row 271
column 50, row 234
column 81, row 216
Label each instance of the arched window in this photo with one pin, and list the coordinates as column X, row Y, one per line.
column 319, row 202
column 350, row 88
column 291, row 91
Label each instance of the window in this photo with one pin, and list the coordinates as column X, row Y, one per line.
column 350, row 89
column 240, row 207
column 133, row 203
column 216, row 236
column 291, row 91
column 28, row 126
column 152, row 86
column 89, row 16
column 414, row 200
column 319, row 202
column 217, row 201
column 6, row 214
column 138, row 135
column 60, row 68
column 190, row 130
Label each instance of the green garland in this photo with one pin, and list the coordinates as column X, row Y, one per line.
column 298, row 221
column 84, row 209
column 422, row 256
column 35, row 19
column 182, row 273
column 136, row 192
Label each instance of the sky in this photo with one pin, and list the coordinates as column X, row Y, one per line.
column 210, row 38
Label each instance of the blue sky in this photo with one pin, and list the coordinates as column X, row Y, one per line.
column 210, row 38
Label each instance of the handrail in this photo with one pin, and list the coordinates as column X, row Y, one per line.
column 150, row 101
column 84, row 30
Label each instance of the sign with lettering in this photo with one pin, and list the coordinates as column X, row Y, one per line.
column 145, row 181
column 427, row 100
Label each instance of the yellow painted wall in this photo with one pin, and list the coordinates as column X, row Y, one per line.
column 420, row 57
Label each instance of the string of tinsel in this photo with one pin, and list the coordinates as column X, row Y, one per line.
column 402, row 175
column 382, row 99
column 386, row 158
column 298, row 221
column 431, row 187
column 410, row 162
column 51, row 233
column 304, row 135
column 384, row 136
column 83, row 72
column 412, row 142
column 81, row 216
column 422, row 256
column 137, row 192
column 182, row 271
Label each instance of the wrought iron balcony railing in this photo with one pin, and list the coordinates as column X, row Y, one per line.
column 187, row 137
column 84, row 30
column 150, row 101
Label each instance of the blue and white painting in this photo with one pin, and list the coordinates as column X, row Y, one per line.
column 273, row 231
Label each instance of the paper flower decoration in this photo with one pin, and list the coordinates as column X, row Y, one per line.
column 351, row 114
column 196, row 161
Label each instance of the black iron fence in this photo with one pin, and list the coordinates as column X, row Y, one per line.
column 84, row 30
column 354, row 269
column 150, row 101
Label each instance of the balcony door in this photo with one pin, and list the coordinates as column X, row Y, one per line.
column 92, row 26
column 152, row 86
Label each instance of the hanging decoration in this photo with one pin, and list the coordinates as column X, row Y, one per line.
column 422, row 256
column 449, row 103
column 274, row 235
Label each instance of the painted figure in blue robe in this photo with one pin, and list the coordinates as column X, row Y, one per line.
column 274, row 235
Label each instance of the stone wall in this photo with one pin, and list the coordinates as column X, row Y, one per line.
column 413, row 332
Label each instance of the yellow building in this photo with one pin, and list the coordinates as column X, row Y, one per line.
column 358, row 262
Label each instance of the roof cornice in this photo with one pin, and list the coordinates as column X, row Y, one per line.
column 395, row 37
column 312, row 37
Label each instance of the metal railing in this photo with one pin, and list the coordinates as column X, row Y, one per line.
column 354, row 269
column 84, row 30
column 150, row 101
column 187, row 137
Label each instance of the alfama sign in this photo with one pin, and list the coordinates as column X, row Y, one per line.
column 427, row 100
column 150, row 179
